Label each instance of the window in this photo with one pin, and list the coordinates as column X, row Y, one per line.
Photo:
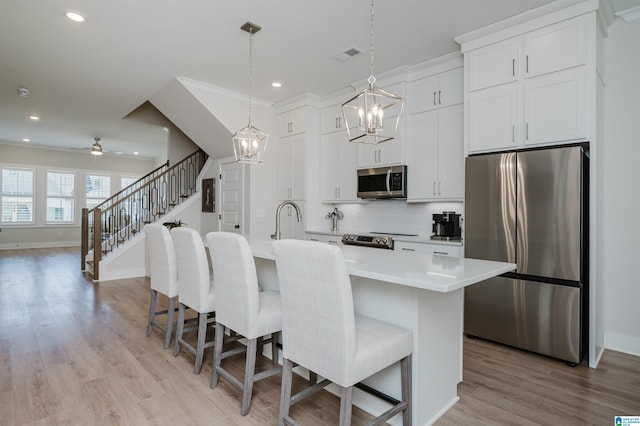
column 98, row 189
column 17, row 196
column 127, row 180
column 60, row 196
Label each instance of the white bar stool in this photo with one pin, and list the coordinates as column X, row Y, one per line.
column 163, row 274
column 321, row 332
column 195, row 291
column 242, row 308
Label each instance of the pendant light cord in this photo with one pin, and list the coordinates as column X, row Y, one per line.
column 372, row 79
column 250, row 71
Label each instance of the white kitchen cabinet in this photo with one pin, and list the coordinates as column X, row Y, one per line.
column 529, row 90
column 494, row 118
column 338, row 180
column 436, row 155
column 324, row 238
column 437, row 91
column 549, row 49
column 386, row 153
column 292, row 122
column 555, row 107
column 494, row 65
column 432, row 249
column 332, row 120
column 291, row 170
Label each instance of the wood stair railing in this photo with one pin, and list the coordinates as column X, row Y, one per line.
column 124, row 215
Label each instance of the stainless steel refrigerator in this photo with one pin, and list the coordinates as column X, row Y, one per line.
column 531, row 208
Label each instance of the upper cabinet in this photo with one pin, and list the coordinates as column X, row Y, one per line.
column 530, row 89
column 437, row 91
column 292, row 122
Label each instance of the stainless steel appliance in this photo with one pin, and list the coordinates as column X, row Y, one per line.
column 531, row 208
column 446, row 226
column 376, row 241
column 383, row 182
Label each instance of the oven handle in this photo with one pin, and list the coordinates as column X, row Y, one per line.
column 389, row 181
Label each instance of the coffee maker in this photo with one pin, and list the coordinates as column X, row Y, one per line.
column 446, row 226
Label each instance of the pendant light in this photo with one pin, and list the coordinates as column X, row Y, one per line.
column 96, row 148
column 250, row 143
column 365, row 115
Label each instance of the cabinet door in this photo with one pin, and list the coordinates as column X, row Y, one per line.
column 422, row 170
column 451, row 152
column 290, row 228
column 451, row 87
column 555, row 107
column 386, row 153
column 330, row 169
column 556, row 47
column 291, row 173
column 494, row 64
column 332, row 119
column 348, row 189
column 423, row 95
column 493, row 118
column 292, row 122
column 432, row 249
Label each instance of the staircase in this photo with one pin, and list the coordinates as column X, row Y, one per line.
column 117, row 220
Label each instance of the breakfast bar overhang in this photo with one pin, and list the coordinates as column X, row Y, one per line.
column 419, row 292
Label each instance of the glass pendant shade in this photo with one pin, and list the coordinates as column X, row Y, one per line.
column 96, row 148
column 249, row 144
column 372, row 116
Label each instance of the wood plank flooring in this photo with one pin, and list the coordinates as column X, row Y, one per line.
column 75, row 352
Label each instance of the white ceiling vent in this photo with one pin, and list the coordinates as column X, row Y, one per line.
column 348, row 54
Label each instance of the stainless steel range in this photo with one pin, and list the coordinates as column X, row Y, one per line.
column 376, row 241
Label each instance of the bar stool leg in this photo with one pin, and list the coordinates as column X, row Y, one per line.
column 346, row 396
column 202, row 334
column 217, row 355
column 407, row 395
column 171, row 311
column 179, row 330
column 285, row 390
column 152, row 311
column 275, row 338
column 249, row 373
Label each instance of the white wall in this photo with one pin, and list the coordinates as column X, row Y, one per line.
column 621, row 180
column 40, row 234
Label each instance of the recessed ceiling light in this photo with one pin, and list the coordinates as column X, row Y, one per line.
column 34, row 117
column 135, row 153
column 276, row 84
column 75, row 16
column 26, row 140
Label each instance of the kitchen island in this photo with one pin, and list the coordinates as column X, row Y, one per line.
column 417, row 291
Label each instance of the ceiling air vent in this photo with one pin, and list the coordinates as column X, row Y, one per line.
column 348, row 54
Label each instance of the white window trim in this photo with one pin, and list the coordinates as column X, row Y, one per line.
column 33, row 196
column 74, row 198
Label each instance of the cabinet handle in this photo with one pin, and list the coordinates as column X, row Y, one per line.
column 527, row 58
column 434, row 187
column 513, row 133
column 289, row 192
column 434, row 98
column 313, row 239
column 440, row 253
column 513, row 67
column 439, row 187
column 332, row 242
column 408, row 249
column 526, row 126
column 339, row 194
column 440, row 97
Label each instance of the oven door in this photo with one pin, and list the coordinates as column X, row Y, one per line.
column 383, row 182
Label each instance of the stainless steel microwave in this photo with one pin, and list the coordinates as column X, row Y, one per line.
column 383, row 182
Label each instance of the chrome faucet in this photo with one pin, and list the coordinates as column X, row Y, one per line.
column 278, row 234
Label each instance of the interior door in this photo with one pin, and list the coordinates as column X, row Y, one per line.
column 231, row 199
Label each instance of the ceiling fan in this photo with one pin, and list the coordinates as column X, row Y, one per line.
column 96, row 148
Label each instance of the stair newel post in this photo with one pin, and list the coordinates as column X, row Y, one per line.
column 84, row 238
column 97, row 242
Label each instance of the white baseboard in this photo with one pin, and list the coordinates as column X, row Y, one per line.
column 44, row 244
column 622, row 343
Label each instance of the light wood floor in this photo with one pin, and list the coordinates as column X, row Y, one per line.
column 75, row 352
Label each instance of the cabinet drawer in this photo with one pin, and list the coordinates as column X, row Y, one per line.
column 329, row 239
column 432, row 249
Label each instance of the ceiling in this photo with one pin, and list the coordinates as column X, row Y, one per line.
column 83, row 78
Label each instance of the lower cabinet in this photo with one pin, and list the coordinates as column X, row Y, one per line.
column 432, row 249
column 323, row 238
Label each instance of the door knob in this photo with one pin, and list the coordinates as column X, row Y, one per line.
column 237, row 226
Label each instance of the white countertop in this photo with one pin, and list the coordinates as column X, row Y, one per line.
column 436, row 273
column 410, row 239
